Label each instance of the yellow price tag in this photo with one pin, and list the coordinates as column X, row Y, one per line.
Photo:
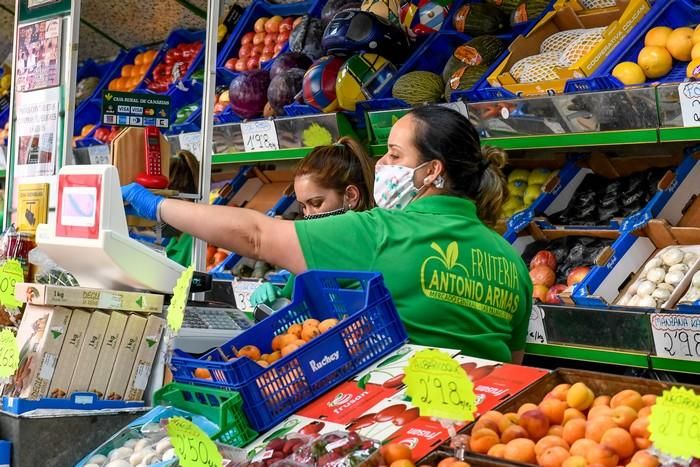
column 10, row 273
column 192, row 446
column 181, row 293
column 674, row 423
column 9, row 353
column 439, row 386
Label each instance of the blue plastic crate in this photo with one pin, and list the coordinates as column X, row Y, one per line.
column 671, row 13
column 4, row 117
column 77, row 401
column 175, row 38
column 369, row 329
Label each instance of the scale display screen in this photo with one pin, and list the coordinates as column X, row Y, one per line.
column 79, row 206
column 78, row 211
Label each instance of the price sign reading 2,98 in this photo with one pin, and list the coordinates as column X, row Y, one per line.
column 259, row 135
column 192, row 446
column 676, row 336
column 674, row 423
column 439, row 386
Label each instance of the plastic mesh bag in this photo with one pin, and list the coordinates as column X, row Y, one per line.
column 550, row 58
column 536, row 72
column 559, row 41
column 591, row 4
column 581, row 46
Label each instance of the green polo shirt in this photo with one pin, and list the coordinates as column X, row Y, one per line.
column 456, row 283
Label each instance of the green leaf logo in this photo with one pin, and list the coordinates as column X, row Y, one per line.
column 362, row 383
column 139, row 302
column 452, row 255
column 150, row 342
column 56, row 334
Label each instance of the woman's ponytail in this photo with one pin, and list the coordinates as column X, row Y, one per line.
column 493, row 188
column 366, row 164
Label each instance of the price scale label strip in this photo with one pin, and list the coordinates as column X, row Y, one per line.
column 676, row 336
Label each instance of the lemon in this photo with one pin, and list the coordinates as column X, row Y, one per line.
column 693, row 70
column 657, row 36
column 629, row 73
column 655, row 61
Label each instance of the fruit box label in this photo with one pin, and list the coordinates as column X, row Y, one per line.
column 423, row 436
column 346, row 402
column 294, row 424
column 322, row 360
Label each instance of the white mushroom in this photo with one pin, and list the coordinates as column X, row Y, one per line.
column 163, row 445
column 682, row 267
column 169, row 455
column 131, row 443
column 696, row 279
column 118, row 463
column 92, row 465
column 692, row 296
column 672, row 256
column 151, row 458
column 633, row 288
column 120, row 453
column 652, row 263
column 661, row 295
column 690, row 258
column 624, row 300
column 138, row 456
column 674, row 277
column 142, row 444
column 665, row 286
column 646, row 288
column 634, row 301
column 656, row 275
column 647, row 302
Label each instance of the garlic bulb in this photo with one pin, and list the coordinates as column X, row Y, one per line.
column 656, row 275
column 661, row 295
column 151, row 458
column 682, row 267
column 139, row 456
column 163, row 445
column 696, row 279
column 645, row 288
column 672, row 256
column 118, row 463
column 647, row 302
column 674, row 278
column 692, row 296
column 690, row 258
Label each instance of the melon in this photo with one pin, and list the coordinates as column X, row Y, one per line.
column 418, row 87
column 483, row 50
column 464, row 78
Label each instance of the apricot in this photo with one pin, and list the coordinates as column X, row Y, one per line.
column 482, row 440
column 447, row 461
column 555, row 430
column 535, row 423
column 274, row 356
column 600, row 411
column 276, row 342
column 575, row 461
column 583, row 445
column 520, row 450
column 289, row 348
column 525, row 407
column 508, row 420
column 309, row 332
column 628, row 397
column 640, row 428
column 263, row 363
column 283, row 341
column 642, row 443
column 494, row 416
column 299, row 342
column 295, row 330
column 596, row 428
column 249, row 351
column 202, row 373
column 549, row 442
column 644, row 413
column 326, row 324
column 311, row 322
column 513, row 432
column 553, row 457
column 624, row 416
column 602, row 455
column 574, row 430
column 485, row 423
column 455, row 464
column 572, row 414
column 645, row 459
column 649, row 399
column 580, row 396
column 554, row 410
column 497, row 450
column 560, row 391
column 620, row 441
column 601, row 400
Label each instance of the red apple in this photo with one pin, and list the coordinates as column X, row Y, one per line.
column 231, row 64
column 545, row 258
column 101, row 134
column 270, row 39
column 273, row 24
column 257, row 50
column 286, row 25
column 260, row 24
column 253, row 63
column 539, row 292
column 247, row 38
column 542, row 275
column 259, row 38
column 552, row 297
column 576, row 275
column 278, row 48
column 268, row 50
column 241, row 65
column 245, row 50
column 282, row 37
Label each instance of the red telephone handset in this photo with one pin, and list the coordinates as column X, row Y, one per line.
column 152, row 177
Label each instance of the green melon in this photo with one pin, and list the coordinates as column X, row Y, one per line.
column 478, row 19
column 505, row 5
column 527, row 11
column 464, row 78
column 418, row 87
column 482, row 50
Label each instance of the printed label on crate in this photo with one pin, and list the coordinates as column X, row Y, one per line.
column 259, row 135
column 674, row 423
column 9, row 353
column 242, row 291
column 138, row 110
column 536, row 333
column 191, row 142
column 689, row 96
column 192, row 446
column 346, row 402
column 178, row 302
column 10, row 274
column 676, row 336
column 439, row 386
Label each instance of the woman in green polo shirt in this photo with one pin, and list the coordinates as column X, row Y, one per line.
column 455, row 281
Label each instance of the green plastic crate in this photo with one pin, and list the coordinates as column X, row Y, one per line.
column 218, row 405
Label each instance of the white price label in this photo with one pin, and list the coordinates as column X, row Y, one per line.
column 259, row 135
column 99, row 155
column 536, row 333
column 3, row 159
column 689, row 95
column 676, row 336
column 191, row 142
column 242, row 290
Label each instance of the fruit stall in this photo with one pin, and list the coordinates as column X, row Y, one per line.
column 595, row 103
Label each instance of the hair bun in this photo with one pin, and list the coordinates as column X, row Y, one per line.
column 495, row 156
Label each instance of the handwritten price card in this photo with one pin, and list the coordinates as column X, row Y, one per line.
column 11, row 273
column 439, row 386
column 689, row 95
column 9, row 354
column 676, row 336
column 674, row 423
column 259, row 135
column 192, row 446
column 181, row 293
column 536, row 333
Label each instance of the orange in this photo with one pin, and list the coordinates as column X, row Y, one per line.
column 112, row 86
column 295, row 329
column 655, row 61
column 553, row 457
column 128, row 71
column 138, row 60
column 580, row 396
column 149, row 56
column 629, row 73
column 620, row 441
column 680, row 43
column 696, row 35
column 693, row 69
column 393, row 452
column 86, row 129
column 403, row 463
column 657, row 36
column 695, row 52
column 520, row 450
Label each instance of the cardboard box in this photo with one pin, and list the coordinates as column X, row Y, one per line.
column 69, row 354
column 81, row 297
column 126, row 356
column 138, row 380
column 89, row 352
column 108, row 353
column 40, row 338
column 619, row 21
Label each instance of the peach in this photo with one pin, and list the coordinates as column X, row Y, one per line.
column 553, row 457
column 600, row 410
column 493, row 415
column 624, row 416
column 580, row 396
column 485, row 423
column 620, row 441
column 555, row 430
column 287, row 349
column 549, row 442
column 560, row 391
column 640, row 428
column 644, row 413
column 513, row 432
column 311, row 322
column 649, row 399
column 295, row 330
column 580, row 447
column 575, row 461
column 520, row 450
column 602, row 455
column 310, row 332
column 574, row 430
column 482, row 440
column 571, row 414
column 628, row 397
column 596, row 428
column 497, row 450
column 601, row 400
column 508, row 420
column 554, row 410
column 645, row 459
column 283, row 341
column 526, row 407
column 535, row 423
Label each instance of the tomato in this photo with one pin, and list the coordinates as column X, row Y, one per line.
column 282, row 37
column 286, row 25
column 259, row 38
column 231, row 64
column 245, row 50
column 241, row 65
column 260, row 24
column 253, row 63
column 101, row 134
column 247, row 38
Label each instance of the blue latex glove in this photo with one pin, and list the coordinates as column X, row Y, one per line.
column 141, row 202
column 266, row 294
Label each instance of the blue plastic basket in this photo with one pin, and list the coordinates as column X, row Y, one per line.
column 77, row 401
column 369, row 329
column 175, row 38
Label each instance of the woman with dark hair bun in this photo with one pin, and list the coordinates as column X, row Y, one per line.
column 455, row 281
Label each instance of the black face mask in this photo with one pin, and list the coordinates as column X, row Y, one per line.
column 321, row 215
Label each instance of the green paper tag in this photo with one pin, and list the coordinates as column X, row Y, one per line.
column 10, row 273
column 192, row 446
column 674, row 423
column 181, row 293
column 9, row 353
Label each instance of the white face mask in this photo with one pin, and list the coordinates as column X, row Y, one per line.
column 394, row 187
